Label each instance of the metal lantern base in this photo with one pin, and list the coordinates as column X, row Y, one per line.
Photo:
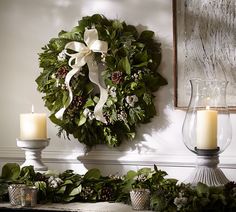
column 33, row 150
column 207, row 171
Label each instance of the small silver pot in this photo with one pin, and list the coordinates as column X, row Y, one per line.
column 29, row 196
column 140, row 199
column 14, row 191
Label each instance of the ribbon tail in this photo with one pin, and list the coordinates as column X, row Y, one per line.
column 94, row 77
column 59, row 114
column 98, row 108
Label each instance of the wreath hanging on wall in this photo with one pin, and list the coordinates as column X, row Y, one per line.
column 99, row 78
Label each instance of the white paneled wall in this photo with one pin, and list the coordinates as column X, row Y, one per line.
column 27, row 25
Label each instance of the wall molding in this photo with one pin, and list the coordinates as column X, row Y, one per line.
column 113, row 157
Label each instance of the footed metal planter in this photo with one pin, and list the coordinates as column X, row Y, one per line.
column 140, row 199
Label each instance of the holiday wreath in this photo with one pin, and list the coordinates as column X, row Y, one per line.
column 99, row 79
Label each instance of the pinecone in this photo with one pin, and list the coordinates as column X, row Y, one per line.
column 106, row 194
column 61, row 72
column 40, row 177
column 230, row 186
column 107, row 117
column 77, row 101
column 117, row 77
column 75, row 104
column 86, row 193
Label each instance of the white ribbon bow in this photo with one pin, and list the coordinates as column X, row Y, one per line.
column 84, row 54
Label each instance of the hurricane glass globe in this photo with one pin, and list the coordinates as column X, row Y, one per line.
column 207, row 129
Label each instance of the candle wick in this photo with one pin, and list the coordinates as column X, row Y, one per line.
column 32, row 109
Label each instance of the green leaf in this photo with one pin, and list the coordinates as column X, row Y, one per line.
column 61, row 190
column 122, row 52
column 144, row 171
column 89, row 88
column 55, row 120
column 92, row 174
column 141, row 64
column 67, row 182
column 96, row 99
column 158, row 202
column 155, row 81
column 147, row 98
column 140, row 45
column 110, row 61
column 41, row 186
column 131, row 174
column 81, row 121
column 109, row 102
column 70, row 36
column 77, row 29
column 11, row 171
column 89, row 103
column 131, row 135
column 202, row 189
column 155, row 168
column 76, row 191
column 133, row 85
column 68, row 199
column 27, row 173
column 116, row 24
column 136, row 114
column 132, row 29
column 3, row 189
column 124, row 65
column 146, row 35
column 96, row 18
column 65, row 98
column 142, row 56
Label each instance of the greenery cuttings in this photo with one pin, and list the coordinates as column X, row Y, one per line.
column 166, row 194
column 129, row 72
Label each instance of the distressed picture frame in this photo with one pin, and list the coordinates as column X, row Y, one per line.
column 204, row 46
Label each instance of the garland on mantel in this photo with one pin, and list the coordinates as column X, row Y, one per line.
column 166, row 194
column 98, row 80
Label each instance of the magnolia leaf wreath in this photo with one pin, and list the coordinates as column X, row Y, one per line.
column 99, row 78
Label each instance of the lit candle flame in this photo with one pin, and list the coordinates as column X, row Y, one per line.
column 208, row 107
column 32, row 108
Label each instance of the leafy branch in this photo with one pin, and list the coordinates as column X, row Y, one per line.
column 166, row 194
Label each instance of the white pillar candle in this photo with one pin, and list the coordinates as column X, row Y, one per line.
column 33, row 126
column 207, row 129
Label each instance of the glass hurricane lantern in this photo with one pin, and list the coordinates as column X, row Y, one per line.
column 207, row 130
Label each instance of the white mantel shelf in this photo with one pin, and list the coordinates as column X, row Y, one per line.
column 75, row 207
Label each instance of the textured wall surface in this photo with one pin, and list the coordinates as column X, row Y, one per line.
column 27, row 25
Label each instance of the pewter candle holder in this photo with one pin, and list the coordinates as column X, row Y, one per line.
column 33, row 150
column 207, row 170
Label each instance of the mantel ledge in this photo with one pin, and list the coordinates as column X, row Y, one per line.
column 75, row 207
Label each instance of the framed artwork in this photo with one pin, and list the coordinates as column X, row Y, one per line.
column 204, row 46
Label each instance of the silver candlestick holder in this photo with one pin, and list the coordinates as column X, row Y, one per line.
column 33, row 150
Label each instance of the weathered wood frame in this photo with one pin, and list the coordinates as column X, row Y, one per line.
column 178, row 18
